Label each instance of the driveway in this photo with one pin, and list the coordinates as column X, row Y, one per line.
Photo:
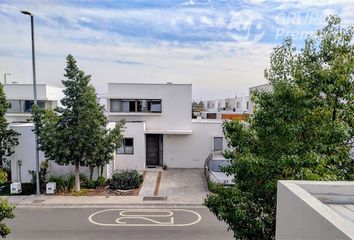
column 188, row 185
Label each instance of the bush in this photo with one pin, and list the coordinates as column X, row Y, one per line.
column 64, row 183
column 3, row 176
column 101, row 181
column 125, row 180
column 91, row 184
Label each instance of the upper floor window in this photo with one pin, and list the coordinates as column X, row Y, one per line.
column 135, row 105
column 24, row 106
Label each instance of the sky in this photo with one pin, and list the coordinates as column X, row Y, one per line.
column 221, row 47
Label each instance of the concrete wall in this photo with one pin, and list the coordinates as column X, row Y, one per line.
column 25, row 152
column 190, row 151
column 302, row 216
column 137, row 160
column 176, row 104
column 25, row 92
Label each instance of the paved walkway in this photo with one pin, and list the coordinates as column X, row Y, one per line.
column 149, row 185
column 179, row 187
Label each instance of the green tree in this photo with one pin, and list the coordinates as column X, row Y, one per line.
column 8, row 137
column 6, row 211
column 301, row 130
column 109, row 141
column 71, row 134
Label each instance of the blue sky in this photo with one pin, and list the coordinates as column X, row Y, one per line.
column 221, row 47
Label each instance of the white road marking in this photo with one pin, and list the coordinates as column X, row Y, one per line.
column 124, row 214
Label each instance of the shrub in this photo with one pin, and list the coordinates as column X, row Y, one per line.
column 124, row 180
column 91, row 184
column 3, row 176
column 64, row 183
column 101, row 181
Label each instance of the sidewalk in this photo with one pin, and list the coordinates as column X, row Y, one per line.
column 102, row 201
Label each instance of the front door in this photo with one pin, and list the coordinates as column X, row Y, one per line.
column 152, row 149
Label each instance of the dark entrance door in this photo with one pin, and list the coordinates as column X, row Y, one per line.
column 152, row 149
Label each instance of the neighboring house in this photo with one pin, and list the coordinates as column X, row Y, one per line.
column 159, row 128
column 264, row 87
column 20, row 98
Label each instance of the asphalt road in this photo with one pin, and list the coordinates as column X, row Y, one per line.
column 122, row 224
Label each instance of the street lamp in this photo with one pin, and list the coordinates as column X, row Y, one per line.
column 6, row 74
column 34, row 98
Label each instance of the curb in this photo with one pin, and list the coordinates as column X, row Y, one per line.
column 103, row 205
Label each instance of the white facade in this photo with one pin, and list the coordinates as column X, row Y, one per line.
column 20, row 97
column 159, row 129
column 169, row 135
column 315, row 210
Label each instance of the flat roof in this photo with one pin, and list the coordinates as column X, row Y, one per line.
column 163, row 84
column 334, row 201
column 30, row 84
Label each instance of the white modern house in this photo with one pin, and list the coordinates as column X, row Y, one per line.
column 159, row 128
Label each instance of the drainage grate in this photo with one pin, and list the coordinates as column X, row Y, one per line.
column 154, row 198
column 38, row 201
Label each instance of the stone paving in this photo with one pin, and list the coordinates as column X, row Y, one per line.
column 181, row 187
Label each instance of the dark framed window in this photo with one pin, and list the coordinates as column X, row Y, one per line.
column 127, row 146
column 136, row 105
column 217, row 144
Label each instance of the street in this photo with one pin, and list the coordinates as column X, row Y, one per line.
column 93, row 223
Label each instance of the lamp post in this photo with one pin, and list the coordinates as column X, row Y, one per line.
column 34, row 98
column 5, row 75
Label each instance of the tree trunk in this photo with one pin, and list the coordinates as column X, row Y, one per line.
column 102, row 170
column 77, row 177
column 91, row 173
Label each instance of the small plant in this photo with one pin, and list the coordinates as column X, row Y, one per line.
column 101, row 181
column 91, row 184
column 3, row 177
column 82, row 192
column 64, row 183
column 125, row 180
column 43, row 172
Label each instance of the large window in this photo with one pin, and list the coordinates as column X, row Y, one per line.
column 136, row 105
column 127, row 146
column 217, row 144
column 24, row 106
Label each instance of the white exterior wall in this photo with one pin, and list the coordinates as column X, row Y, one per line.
column 25, row 92
column 176, row 104
column 137, row 160
column 190, row 151
column 301, row 215
column 25, row 151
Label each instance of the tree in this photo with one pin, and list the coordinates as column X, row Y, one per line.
column 71, row 134
column 8, row 137
column 6, row 211
column 109, row 140
column 301, row 130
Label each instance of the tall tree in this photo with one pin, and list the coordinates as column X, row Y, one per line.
column 301, row 130
column 71, row 134
column 109, row 141
column 8, row 137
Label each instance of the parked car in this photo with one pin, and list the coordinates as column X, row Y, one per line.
column 213, row 169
